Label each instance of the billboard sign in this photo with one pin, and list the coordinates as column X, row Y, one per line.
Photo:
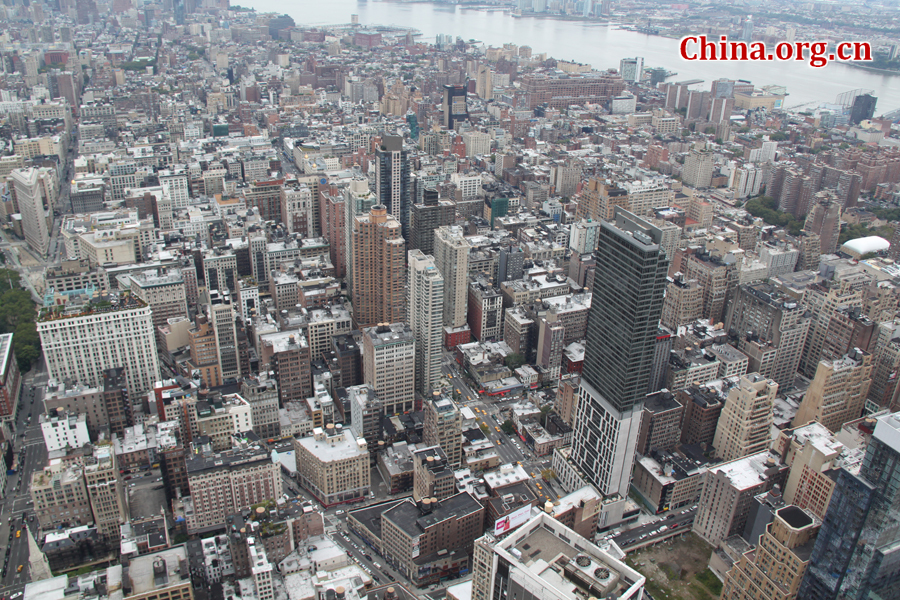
column 512, row 520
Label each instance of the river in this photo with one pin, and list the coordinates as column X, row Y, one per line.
column 599, row 45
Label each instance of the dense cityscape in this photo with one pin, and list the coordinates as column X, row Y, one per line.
column 295, row 311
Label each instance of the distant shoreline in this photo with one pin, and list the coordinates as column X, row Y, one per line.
column 860, row 65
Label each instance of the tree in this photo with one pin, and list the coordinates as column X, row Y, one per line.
column 507, row 427
column 545, row 410
column 709, row 130
column 17, row 314
column 514, row 361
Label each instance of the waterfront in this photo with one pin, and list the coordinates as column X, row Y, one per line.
column 590, row 42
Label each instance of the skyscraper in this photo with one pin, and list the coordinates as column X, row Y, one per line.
column 392, row 180
column 855, row 552
column 389, row 365
column 622, row 326
column 863, row 108
column 30, row 198
column 454, row 105
column 426, row 313
column 378, row 269
column 451, row 256
column 630, row 69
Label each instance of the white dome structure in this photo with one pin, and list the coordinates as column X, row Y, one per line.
column 862, row 246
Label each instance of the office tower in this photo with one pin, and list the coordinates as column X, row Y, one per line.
column 297, row 209
column 221, row 419
column 761, row 315
column 10, row 378
column 333, row 465
column 698, row 169
column 62, row 429
column 810, row 251
column 838, row 392
column 288, row 354
column 854, row 551
column 107, row 332
column 426, row 312
column 204, row 361
column 454, row 106
column 60, row 497
column 358, row 200
column 824, row 219
column 366, row 412
column 222, row 317
column 106, row 491
column 702, row 408
column 261, row 393
column 392, row 188
column 174, row 183
column 583, row 236
column 432, row 474
column 822, row 301
column 747, row 30
column 814, row 456
column 728, row 491
column 484, row 85
column 451, row 257
column 389, row 365
column 631, row 69
column 425, row 218
column 863, row 108
column 683, row 303
column 775, row 568
column 660, row 423
column 744, row 424
column 379, row 273
column 550, row 346
column 445, row 532
column 622, row 327
column 443, row 427
column 223, row 483
column 717, row 278
column 502, row 569
column 485, row 310
column 720, row 112
column 162, row 289
column 30, row 187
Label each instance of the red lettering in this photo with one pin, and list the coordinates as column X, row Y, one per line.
column 683, row 48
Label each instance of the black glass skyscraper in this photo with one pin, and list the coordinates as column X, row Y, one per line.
column 623, row 322
column 392, row 180
column 857, row 551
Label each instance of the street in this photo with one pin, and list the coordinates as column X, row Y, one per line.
column 676, row 522
column 492, row 413
column 32, row 455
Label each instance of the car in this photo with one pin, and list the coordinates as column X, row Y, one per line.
column 14, row 596
column 457, row 391
column 499, row 442
column 128, row 478
column 19, row 570
column 18, row 533
column 338, row 512
column 375, row 577
column 367, row 557
column 377, row 566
